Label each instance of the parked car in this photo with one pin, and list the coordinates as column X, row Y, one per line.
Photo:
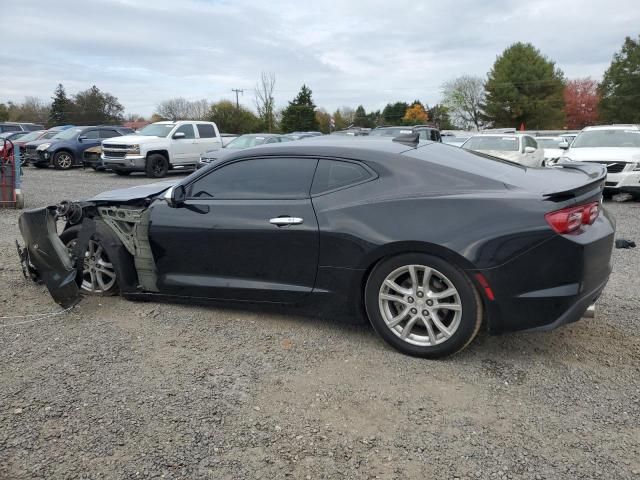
column 19, row 127
column 425, row 240
column 13, row 136
column 427, row 133
column 240, row 143
column 310, row 133
column 615, row 146
column 516, row 147
column 65, row 149
column 29, row 149
column 551, row 147
column 160, row 147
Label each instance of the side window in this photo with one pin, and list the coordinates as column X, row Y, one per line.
column 334, row 174
column 530, row 142
column 91, row 134
column 206, row 131
column 10, row 128
column 272, row 140
column 257, row 179
column 187, row 129
column 107, row 133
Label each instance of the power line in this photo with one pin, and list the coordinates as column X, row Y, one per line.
column 237, row 90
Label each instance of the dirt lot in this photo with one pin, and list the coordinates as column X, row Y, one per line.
column 116, row 389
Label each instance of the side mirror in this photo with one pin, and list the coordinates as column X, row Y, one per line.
column 529, row 149
column 179, row 135
column 176, row 196
column 564, row 145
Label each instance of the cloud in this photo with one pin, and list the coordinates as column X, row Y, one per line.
column 369, row 52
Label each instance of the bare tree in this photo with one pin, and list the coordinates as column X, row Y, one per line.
column 174, row 109
column 265, row 103
column 464, row 97
column 199, row 109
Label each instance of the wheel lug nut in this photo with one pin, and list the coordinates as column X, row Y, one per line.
column 420, row 294
column 429, row 302
column 410, row 299
column 414, row 310
column 425, row 313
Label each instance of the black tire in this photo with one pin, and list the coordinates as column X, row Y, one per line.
column 70, row 235
column 63, row 160
column 122, row 173
column 157, row 166
column 470, row 318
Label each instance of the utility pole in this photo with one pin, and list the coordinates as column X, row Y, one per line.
column 237, row 90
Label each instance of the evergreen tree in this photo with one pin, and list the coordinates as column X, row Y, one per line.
column 300, row 114
column 620, row 87
column 525, row 88
column 393, row 113
column 439, row 115
column 61, row 107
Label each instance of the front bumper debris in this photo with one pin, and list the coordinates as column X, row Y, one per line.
column 46, row 258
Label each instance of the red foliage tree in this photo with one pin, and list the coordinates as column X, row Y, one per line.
column 581, row 103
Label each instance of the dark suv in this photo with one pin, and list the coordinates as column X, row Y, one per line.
column 19, row 127
column 427, row 132
column 66, row 149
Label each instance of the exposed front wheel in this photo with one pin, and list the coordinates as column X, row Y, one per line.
column 98, row 275
column 422, row 305
column 157, row 166
column 63, row 160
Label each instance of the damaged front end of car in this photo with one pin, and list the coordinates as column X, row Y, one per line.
column 118, row 222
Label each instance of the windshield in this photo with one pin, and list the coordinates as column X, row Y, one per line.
column 389, row 132
column 67, row 134
column 246, row 141
column 549, row 142
column 157, row 129
column 503, row 144
column 607, row 138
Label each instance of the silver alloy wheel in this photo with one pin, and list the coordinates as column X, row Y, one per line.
column 64, row 160
column 420, row 305
column 98, row 274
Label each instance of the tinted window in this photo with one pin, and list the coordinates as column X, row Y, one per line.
column 332, row 174
column 91, row 134
column 10, row 128
column 187, row 130
column 206, row 131
column 257, row 179
column 109, row 133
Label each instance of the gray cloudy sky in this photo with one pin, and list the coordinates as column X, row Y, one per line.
column 348, row 52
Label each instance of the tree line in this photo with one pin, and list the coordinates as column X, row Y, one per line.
column 524, row 88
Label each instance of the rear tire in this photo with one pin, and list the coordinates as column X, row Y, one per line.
column 405, row 304
column 157, row 166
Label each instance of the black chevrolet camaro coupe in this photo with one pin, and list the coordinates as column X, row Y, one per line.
column 424, row 239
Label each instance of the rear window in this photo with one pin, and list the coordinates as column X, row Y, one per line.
column 334, row 174
column 206, row 130
column 607, row 138
column 502, row 144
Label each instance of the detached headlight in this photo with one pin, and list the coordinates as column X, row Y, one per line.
column 133, row 148
column 44, row 146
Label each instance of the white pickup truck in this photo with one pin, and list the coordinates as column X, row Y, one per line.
column 160, row 147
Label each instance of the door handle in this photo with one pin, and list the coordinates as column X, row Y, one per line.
column 282, row 221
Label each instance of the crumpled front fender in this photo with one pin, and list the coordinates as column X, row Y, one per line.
column 46, row 252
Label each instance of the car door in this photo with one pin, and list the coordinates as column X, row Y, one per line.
column 88, row 139
column 184, row 150
column 247, row 231
column 207, row 139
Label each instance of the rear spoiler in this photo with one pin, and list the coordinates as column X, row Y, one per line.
column 596, row 173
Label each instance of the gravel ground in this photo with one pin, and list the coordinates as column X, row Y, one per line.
column 117, row 389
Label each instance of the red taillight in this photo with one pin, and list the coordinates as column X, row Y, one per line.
column 570, row 219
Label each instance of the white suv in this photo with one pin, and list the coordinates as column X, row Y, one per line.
column 160, row 147
column 617, row 147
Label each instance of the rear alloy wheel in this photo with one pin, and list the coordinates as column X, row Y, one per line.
column 157, row 166
column 62, row 160
column 98, row 273
column 423, row 306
